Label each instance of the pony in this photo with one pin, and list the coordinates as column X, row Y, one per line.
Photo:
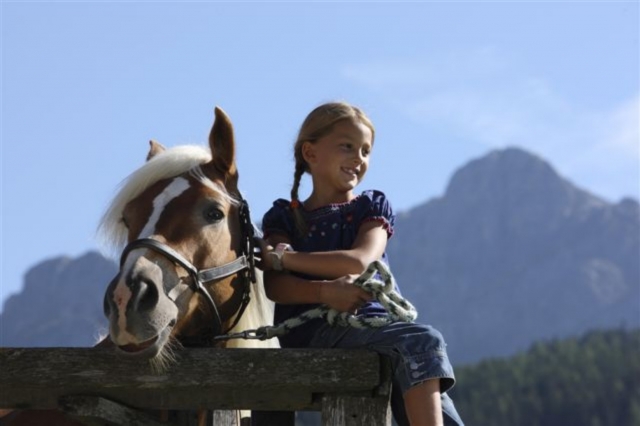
column 187, row 271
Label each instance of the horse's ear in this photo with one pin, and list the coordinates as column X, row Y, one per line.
column 155, row 148
column 222, row 144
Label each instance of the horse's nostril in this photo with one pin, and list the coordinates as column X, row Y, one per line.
column 108, row 297
column 172, row 323
column 147, row 297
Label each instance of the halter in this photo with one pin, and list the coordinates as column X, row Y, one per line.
column 244, row 263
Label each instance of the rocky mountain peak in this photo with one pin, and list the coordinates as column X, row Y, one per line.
column 518, row 175
column 61, row 303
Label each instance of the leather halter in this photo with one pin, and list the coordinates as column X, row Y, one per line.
column 244, row 263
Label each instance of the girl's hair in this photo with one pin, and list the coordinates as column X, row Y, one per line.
column 319, row 123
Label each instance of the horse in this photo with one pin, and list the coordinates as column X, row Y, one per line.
column 187, row 270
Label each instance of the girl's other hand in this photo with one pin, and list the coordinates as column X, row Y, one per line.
column 264, row 260
column 342, row 295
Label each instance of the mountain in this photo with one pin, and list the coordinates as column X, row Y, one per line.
column 60, row 304
column 513, row 253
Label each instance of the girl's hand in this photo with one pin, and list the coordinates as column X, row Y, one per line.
column 264, row 260
column 342, row 295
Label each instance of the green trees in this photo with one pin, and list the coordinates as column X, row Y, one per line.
column 589, row 381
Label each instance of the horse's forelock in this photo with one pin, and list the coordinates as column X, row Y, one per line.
column 200, row 176
column 173, row 162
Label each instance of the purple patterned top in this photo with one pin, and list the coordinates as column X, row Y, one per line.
column 332, row 227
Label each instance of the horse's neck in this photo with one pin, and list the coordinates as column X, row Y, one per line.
column 259, row 313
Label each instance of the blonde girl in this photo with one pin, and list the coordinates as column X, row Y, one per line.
column 314, row 249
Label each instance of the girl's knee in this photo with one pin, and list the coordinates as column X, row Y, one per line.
column 430, row 340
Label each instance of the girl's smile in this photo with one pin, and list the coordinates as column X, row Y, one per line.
column 351, row 172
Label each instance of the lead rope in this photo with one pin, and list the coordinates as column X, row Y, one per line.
column 398, row 308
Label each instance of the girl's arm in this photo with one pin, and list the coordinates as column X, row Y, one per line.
column 339, row 294
column 369, row 246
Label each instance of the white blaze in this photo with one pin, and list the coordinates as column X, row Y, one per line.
column 173, row 190
column 122, row 294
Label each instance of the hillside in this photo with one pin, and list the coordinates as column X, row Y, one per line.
column 60, row 303
column 513, row 253
column 591, row 380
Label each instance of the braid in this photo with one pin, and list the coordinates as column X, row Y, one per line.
column 297, row 176
column 301, row 225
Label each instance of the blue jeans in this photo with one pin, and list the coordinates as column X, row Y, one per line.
column 417, row 353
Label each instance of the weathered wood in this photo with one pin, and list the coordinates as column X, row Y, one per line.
column 226, row 418
column 342, row 410
column 96, row 411
column 258, row 379
column 347, row 410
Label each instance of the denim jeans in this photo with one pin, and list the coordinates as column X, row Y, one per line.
column 417, row 353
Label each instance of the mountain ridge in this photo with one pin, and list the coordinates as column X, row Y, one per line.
column 511, row 253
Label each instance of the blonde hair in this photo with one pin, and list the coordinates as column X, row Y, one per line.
column 317, row 124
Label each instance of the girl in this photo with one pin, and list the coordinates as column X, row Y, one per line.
column 315, row 249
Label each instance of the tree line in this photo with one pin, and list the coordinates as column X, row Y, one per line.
column 592, row 380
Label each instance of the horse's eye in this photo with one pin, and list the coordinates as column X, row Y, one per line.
column 124, row 222
column 213, row 215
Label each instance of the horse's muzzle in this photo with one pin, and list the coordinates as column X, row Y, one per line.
column 141, row 316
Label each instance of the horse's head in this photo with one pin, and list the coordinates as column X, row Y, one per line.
column 185, row 269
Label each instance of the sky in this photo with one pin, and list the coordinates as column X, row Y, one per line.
column 85, row 86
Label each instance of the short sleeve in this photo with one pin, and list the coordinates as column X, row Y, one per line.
column 278, row 219
column 375, row 206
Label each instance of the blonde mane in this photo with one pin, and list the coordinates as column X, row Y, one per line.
column 259, row 313
column 173, row 162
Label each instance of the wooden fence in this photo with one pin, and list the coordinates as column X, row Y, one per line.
column 97, row 385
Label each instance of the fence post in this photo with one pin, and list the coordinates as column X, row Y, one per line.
column 348, row 410
column 226, row 418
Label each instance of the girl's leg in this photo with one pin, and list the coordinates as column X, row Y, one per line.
column 418, row 356
column 422, row 404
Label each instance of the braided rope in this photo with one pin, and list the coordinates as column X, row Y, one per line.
column 398, row 308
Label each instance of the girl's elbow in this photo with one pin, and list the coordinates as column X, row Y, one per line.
column 270, row 288
column 359, row 265
column 361, row 262
column 269, row 292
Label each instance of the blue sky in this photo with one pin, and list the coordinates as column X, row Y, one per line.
column 85, row 85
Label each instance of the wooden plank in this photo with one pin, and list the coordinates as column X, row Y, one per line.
column 96, row 411
column 259, row 379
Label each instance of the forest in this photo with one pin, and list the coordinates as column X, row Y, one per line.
column 592, row 380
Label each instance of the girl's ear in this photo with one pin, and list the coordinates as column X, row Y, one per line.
column 308, row 152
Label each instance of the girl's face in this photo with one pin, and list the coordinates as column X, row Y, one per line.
column 340, row 158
